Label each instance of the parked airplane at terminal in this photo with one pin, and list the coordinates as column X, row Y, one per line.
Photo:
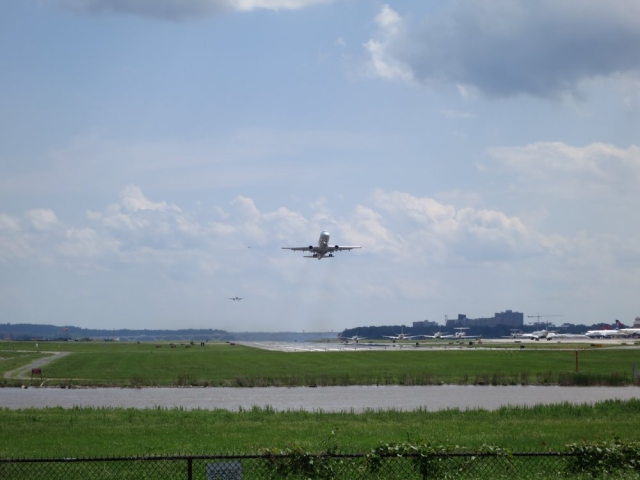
column 609, row 332
column 631, row 332
column 323, row 249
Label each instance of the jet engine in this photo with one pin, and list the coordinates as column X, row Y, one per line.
column 311, row 248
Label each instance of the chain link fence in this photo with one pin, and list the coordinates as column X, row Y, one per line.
column 292, row 466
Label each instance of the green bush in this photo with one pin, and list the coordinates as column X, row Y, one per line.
column 604, row 458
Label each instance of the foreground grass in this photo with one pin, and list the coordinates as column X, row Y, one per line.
column 86, row 432
column 139, row 365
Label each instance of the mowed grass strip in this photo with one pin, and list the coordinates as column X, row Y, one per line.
column 90, row 432
column 221, row 364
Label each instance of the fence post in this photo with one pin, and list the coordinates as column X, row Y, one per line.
column 190, row 468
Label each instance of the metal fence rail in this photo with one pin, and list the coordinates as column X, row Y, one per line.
column 291, row 466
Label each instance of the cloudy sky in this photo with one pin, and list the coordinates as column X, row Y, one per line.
column 155, row 155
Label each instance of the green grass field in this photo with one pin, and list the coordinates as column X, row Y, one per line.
column 56, row 432
column 221, row 364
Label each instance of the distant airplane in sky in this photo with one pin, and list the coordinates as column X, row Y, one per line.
column 323, row 249
column 235, row 298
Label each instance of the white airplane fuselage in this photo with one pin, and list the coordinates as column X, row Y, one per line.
column 611, row 333
column 323, row 244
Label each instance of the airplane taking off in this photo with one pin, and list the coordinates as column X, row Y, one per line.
column 355, row 338
column 323, row 249
column 537, row 335
column 235, row 298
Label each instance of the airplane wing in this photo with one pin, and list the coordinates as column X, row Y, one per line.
column 329, row 249
column 337, row 248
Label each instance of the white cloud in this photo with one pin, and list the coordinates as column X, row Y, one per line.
column 388, row 20
column 398, row 225
column 13, row 243
column 630, row 88
column 248, row 5
column 246, row 207
column 85, row 242
column 133, row 201
column 442, row 233
column 502, row 48
column 42, row 219
column 598, row 169
column 366, row 228
column 8, row 223
column 382, row 62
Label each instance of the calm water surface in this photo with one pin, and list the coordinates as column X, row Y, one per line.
column 328, row 399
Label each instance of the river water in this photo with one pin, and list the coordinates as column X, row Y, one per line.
column 327, row 399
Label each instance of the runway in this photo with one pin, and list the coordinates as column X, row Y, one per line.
column 329, row 346
column 489, row 343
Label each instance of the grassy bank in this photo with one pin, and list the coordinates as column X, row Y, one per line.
column 78, row 432
column 146, row 364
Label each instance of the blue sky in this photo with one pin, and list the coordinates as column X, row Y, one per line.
column 156, row 155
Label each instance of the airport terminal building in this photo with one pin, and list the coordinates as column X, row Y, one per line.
column 508, row 318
